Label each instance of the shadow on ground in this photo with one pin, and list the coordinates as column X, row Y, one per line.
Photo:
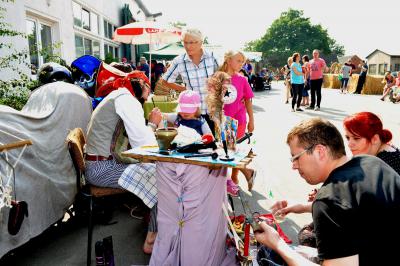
column 290, row 228
column 66, row 242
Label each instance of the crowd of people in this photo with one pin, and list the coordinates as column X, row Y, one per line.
column 354, row 194
column 299, row 79
column 353, row 191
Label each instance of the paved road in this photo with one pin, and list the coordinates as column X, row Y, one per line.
column 275, row 180
column 274, row 119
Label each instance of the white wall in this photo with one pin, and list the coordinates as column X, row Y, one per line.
column 14, row 13
column 58, row 14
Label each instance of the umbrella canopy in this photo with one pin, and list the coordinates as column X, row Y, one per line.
column 167, row 52
column 147, row 32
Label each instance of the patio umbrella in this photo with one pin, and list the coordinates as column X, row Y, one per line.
column 147, row 32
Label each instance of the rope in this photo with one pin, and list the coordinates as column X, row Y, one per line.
column 11, row 135
column 6, row 190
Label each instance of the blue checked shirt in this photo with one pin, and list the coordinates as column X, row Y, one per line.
column 194, row 77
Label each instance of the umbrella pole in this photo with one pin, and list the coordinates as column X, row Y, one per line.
column 150, row 62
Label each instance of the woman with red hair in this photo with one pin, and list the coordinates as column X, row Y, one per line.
column 365, row 135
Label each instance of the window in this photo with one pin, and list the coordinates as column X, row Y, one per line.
column 109, row 29
column 112, row 50
column 39, row 41
column 116, row 54
column 96, row 49
column 79, row 49
column 372, row 69
column 88, row 46
column 94, row 23
column 382, row 69
column 32, row 41
column 45, row 37
column 85, row 46
column 76, row 9
column 396, row 67
column 85, row 19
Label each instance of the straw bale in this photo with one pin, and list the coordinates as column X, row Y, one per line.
column 331, row 81
column 335, row 68
column 373, row 84
column 352, row 85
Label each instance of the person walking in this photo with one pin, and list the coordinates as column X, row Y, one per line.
column 316, row 67
column 296, row 76
column 346, row 72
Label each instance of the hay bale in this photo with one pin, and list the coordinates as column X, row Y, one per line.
column 373, row 85
column 335, row 68
column 331, row 81
column 353, row 80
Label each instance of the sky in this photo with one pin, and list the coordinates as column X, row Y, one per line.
column 360, row 25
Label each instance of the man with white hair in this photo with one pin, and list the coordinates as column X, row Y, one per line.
column 144, row 67
column 195, row 67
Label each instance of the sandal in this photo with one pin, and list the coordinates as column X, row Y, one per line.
column 231, row 188
column 250, row 182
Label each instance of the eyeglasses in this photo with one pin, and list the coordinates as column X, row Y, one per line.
column 297, row 156
column 190, row 43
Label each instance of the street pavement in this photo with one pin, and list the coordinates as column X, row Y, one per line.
column 66, row 245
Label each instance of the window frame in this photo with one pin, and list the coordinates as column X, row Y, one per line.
column 107, row 26
column 92, row 16
column 38, row 37
column 85, row 38
column 114, row 49
column 372, row 67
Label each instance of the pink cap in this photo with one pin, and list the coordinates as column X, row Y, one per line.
column 188, row 102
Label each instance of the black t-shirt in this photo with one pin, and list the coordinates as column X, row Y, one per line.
column 357, row 211
column 392, row 158
column 364, row 73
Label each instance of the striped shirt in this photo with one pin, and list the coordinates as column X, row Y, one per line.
column 194, row 76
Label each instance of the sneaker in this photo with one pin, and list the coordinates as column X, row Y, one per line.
column 316, row 108
column 310, row 108
column 231, row 188
column 299, row 110
column 293, row 110
column 286, row 102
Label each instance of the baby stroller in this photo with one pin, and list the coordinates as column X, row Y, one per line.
column 267, row 82
column 258, row 83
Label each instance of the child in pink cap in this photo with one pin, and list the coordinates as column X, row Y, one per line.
column 188, row 113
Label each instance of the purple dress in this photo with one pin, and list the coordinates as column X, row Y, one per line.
column 192, row 228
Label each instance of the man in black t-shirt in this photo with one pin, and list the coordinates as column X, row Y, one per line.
column 362, row 77
column 356, row 211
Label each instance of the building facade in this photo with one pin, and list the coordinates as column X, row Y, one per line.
column 379, row 62
column 73, row 28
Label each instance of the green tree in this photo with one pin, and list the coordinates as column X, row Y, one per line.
column 291, row 33
column 14, row 92
column 178, row 24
